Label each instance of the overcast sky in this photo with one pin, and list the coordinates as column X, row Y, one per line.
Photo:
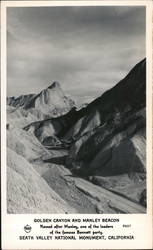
column 86, row 49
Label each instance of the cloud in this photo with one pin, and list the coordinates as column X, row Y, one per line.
column 87, row 49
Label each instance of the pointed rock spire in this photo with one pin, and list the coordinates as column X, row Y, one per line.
column 54, row 85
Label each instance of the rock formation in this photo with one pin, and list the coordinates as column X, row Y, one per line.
column 102, row 144
column 50, row 102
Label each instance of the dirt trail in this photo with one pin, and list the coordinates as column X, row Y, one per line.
column 60, row 180
column 115, row 201
column 85, row 196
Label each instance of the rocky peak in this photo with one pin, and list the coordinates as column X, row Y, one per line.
column 54, row 85
column 51, row 101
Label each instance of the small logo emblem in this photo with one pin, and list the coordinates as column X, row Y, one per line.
column 27, row 228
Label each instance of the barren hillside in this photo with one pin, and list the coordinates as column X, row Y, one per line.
column 92, row 160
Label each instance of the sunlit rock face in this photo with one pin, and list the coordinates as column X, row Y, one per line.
column 28, row 192
column 50, row 102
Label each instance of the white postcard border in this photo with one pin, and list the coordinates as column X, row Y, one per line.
column 12, row 224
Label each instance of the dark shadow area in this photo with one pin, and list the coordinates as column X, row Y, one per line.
column 56, row 160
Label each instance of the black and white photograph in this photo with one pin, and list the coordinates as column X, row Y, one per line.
column 76, row 110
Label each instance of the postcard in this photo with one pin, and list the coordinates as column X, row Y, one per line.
column 76, row 124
